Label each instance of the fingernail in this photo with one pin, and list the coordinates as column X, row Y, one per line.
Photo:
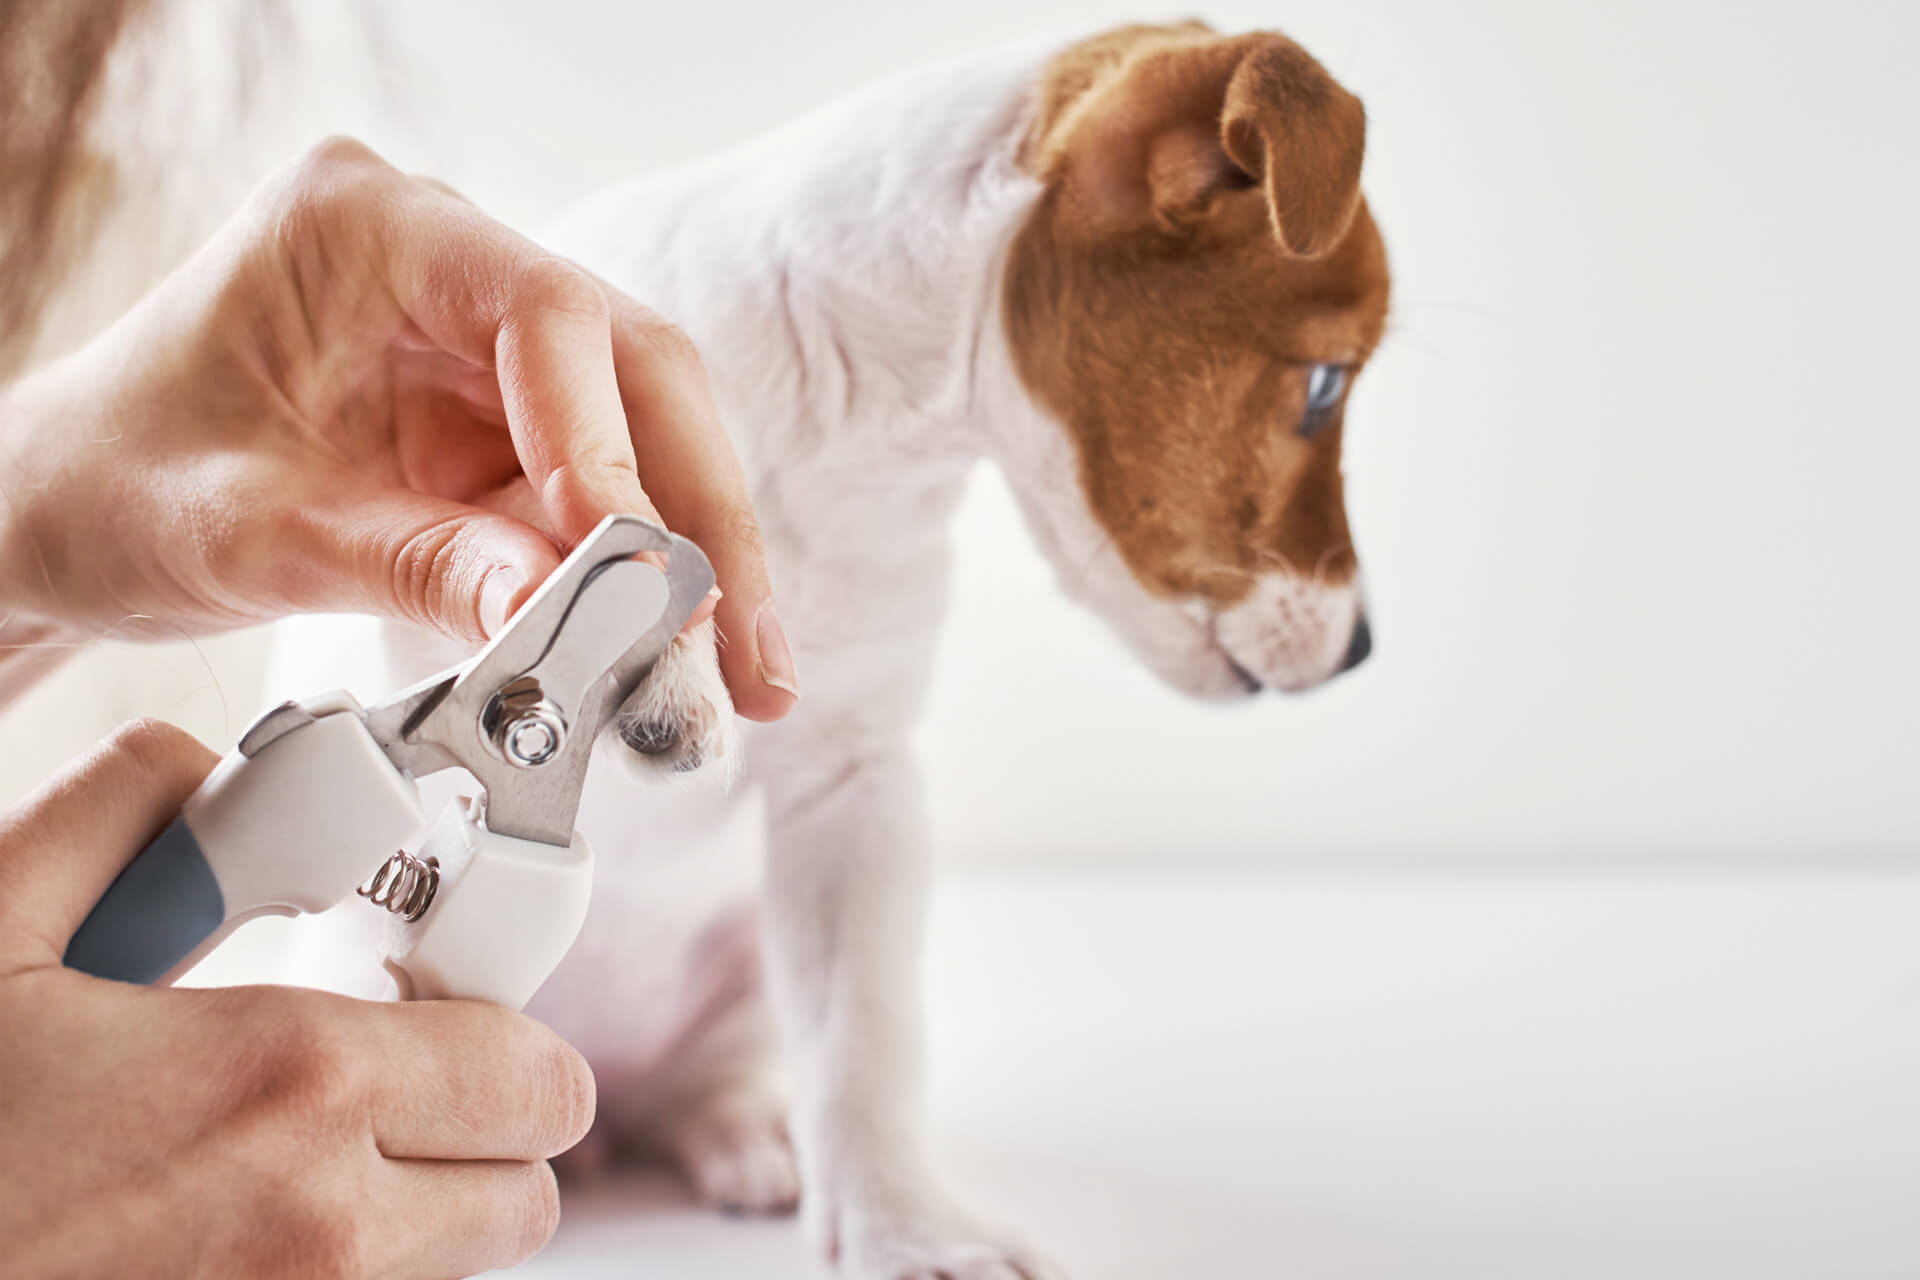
column 497, row 594
column 703, row 611
column 776, row 656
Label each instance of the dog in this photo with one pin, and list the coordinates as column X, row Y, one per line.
column 1138, row 274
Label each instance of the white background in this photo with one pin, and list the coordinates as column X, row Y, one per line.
column 1631, row 478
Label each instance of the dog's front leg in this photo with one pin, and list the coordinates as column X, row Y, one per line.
column 846, row 888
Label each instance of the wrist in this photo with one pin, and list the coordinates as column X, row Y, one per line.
column 28, row 591
column 35, row 636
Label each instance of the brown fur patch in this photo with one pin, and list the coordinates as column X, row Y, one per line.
column 1200, row 245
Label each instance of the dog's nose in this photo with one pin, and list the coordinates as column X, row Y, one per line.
column 1360, row 645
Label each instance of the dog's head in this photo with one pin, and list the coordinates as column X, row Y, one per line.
column 1191, row 298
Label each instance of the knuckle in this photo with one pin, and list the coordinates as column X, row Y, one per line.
column 313, row 212
column 340, row 153
column 736, row 523
column 550, row 283
column 730, row 533
column 328, row 173
column 315, row 1072
column 441, row 186
column 597, row 468
column 671, row 345
column 663, row 346
column 593, row 482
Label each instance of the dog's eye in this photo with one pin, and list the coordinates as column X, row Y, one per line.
column 1326, row 383
column 1326, row 386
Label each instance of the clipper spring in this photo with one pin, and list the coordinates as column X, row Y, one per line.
column 404, row 885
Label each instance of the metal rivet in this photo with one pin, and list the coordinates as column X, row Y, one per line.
column 532, row 740
column 523, row 726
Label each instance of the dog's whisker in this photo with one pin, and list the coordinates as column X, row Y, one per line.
column 1228, row 571
column 1286, row 565
column 1320, row 566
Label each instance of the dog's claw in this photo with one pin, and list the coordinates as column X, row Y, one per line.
column 649, row 737
column 680, row 719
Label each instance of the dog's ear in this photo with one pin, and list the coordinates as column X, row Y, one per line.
column 1289, row 125
column 1181, row 128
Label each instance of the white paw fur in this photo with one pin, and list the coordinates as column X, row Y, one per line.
column 913, row 1234
column 681, row 717
column 732, row 1147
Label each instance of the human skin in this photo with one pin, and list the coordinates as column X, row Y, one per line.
column 364, row 395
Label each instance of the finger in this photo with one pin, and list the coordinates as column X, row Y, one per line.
column 700, row 489
column 515, row 498
column 62, row 847
column 460, row 1218
column 563, row 403
column 459, row 569
column 471, row 1081
column 488, row 295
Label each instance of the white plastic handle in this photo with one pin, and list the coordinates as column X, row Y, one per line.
column 504, row 913
column 299, row 826
column 292, row 828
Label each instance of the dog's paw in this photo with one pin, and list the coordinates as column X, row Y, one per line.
column 915, row 1235
column 681, row 718
column 733, row 1149
column 945, row 1250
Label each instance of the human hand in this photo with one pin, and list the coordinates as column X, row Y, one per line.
column 251, row 1130
column 365, row 395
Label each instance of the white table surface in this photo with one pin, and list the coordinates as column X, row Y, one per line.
column 1417, row 1074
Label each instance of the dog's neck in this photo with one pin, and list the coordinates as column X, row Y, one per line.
column 842, row 278
column 858, row 305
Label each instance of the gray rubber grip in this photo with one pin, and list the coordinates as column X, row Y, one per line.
column 160, row 908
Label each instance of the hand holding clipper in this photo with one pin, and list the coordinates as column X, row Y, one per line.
column 319, row 795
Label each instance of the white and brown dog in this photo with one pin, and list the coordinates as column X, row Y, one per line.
column 1138, row 274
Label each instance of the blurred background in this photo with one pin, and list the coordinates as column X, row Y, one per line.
column 1575, row 933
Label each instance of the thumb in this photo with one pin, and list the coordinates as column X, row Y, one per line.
column 62, row 847
column 442, row 564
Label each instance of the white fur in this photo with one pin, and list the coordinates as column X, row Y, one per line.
column 681, row 719
column 1291, row 631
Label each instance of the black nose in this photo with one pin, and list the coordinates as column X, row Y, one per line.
column 1360, row 646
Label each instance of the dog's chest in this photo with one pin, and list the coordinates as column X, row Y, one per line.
column 670, row 862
